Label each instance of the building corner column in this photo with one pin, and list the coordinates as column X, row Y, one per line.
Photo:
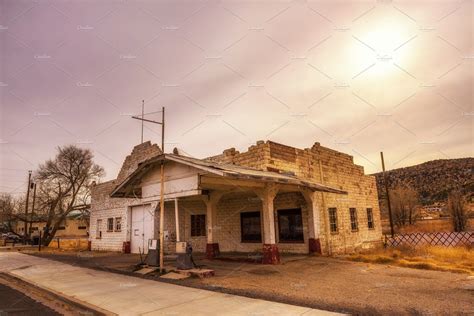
column 212, row 247
column 271, row 254
column 314, row 222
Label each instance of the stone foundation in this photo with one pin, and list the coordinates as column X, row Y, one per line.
column 212, row 250
column 271, row 255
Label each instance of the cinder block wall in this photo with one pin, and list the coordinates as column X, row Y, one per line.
column 339, row 171
column 103, row 207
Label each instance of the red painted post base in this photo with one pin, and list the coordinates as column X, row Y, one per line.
column 212, row 250
column 271, row 255
column 126, row 247
column 314, row 245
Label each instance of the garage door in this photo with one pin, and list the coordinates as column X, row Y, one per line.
column 142, row 228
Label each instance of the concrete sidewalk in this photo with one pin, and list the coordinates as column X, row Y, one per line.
column 126, row 295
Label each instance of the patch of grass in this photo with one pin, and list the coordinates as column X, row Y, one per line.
column 457, row 259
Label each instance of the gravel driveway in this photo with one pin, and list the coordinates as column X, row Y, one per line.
column 321, row 282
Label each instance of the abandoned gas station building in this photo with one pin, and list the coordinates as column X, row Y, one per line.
column 270, row 199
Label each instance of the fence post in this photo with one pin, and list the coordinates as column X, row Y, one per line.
column 39, row 242
column 58, row 241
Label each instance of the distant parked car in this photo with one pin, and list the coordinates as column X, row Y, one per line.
column 11, row 237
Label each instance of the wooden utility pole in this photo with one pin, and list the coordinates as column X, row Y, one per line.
column 162, row 192
column 26, row 205
column 162, row 177
column 143, row 116
column 385, row 180
column 33, row 205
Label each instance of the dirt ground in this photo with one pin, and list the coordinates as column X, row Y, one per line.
column 318, row 282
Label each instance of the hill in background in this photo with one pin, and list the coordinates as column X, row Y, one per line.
column 433, row 180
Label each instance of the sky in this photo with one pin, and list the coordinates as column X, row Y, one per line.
column 357, row 76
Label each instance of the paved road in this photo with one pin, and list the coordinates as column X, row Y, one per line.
column 13, row 302
column 125, row 295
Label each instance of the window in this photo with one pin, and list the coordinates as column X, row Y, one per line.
column 198, row 225
column 354, row 224
column 110, row 224
column 82, row 227
column 250, row 227
column 98, row 229
column 290, row 226
column 333, row 219
column 370, row 218
column 62, row 225
column 118, row 224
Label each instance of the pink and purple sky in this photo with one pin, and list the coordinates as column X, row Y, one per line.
column 357, row 76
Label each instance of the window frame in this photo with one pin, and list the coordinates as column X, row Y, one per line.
column 370, row 218
column 118, row 221
column 110, row 224
column 331, row 218
column 202, row 230
column 244, row 215
column 287, row 212
column 353, row 219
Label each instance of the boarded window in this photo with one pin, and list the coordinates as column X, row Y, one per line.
column 250, row 227
column 198, row 225
column 290, row 225
column 61, row 228
column 370, row 218
column 110, row 224
column 333, row 219
column 353, row 215
column 118, row 224
column 82, row 227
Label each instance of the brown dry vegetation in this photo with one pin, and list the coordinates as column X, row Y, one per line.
column 426, row 226
column 455, row 259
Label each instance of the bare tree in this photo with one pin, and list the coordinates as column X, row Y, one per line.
column 458, row 210
column 404, row 202
column 8, row 211
column 65, row 186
